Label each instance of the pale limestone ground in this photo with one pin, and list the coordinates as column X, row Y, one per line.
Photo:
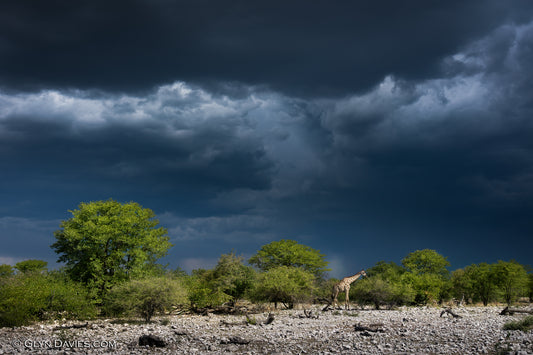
column 407, row 331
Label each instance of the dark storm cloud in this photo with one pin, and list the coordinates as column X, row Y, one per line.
column 293, row 46
column 175, row 140
column 414, row 131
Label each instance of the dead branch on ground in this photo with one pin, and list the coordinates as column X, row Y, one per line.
column 511, row 311
column 74, row 326
column 450, row 312
column 374, row 328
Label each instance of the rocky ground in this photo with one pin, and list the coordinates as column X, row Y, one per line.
column 403, row 331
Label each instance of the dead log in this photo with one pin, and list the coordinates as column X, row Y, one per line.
column 235, row 340
column 223, row 322
column 450, row 312
column 374, row 328
column 511, row 311
column 270, row 319
column 308, row 314
column 74, row 326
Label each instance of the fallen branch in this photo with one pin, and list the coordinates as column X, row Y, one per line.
column 235, row 340
column 270, row 319
column 74, row 326
column 308, row 314
column 511, row 311
column 328, row 302
column 450, row 312
column 374, row 328
column 223, row 322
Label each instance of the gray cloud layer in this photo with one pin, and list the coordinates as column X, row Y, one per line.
column 292, row 46
column 430, row 148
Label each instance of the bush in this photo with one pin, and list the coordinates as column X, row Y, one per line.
column 323, row 291
column 6, row 270
column 202, row 294
column 511, row 279
column 284, row 284
column 31, row 265
column 32, row 297
column 230, row 276
column 289, row 253
column 524, row 325
column 228, row 281
column 380, row 292
column 145, row 297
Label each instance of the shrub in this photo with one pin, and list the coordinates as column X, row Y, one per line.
column 511, row 279
column 524, row 325
column 231, row 276
column 323, row 291
column 290, row 253
column 202, row 294
column 380, row 292
column 145, row 297
column 27, row 298
column 31, row 265
column 6, row 270
column 284, row 284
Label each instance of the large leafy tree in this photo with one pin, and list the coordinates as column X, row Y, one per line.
column 483, row 282
column 284, row 284
column 231, row 276
column 511, row 278
column 427, row 274
column 384, row 286
column 289, row 253
column 426, row 261
column 107, row 241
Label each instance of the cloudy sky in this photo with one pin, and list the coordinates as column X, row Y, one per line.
column 364, row 129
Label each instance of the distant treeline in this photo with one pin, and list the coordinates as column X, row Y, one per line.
column 111, row 251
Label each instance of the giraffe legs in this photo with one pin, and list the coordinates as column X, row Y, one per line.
column 347, row 300
column 335, row 294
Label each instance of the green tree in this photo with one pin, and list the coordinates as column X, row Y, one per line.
column 384, row 286
column 427, row 274
column 386, row 270
column 289, row 253
column 228, row 281
column 145, row 297
column 284, row 284
column 511, row 279
column 426, row 261
column 106, row 242
column 201, row 292
column 231, row 276
column 29, row 297
column 31, row 265
column 483, row 282
column 6, row 270
column 462, row 285
column 530, row 287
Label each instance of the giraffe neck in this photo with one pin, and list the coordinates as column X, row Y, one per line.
column 352, row 278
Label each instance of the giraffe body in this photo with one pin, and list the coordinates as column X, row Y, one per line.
column 344, row 286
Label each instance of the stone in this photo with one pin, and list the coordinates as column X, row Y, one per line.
column 152, row 340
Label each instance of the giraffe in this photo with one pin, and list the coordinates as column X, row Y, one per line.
column 344, row 285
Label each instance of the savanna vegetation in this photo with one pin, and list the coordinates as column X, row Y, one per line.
column 110, row 251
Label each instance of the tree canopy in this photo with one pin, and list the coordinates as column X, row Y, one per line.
column 31, row 265
column 287, row 252
column 107, row 241
column 426, row 261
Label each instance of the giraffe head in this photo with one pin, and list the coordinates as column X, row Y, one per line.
column 363, row 273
